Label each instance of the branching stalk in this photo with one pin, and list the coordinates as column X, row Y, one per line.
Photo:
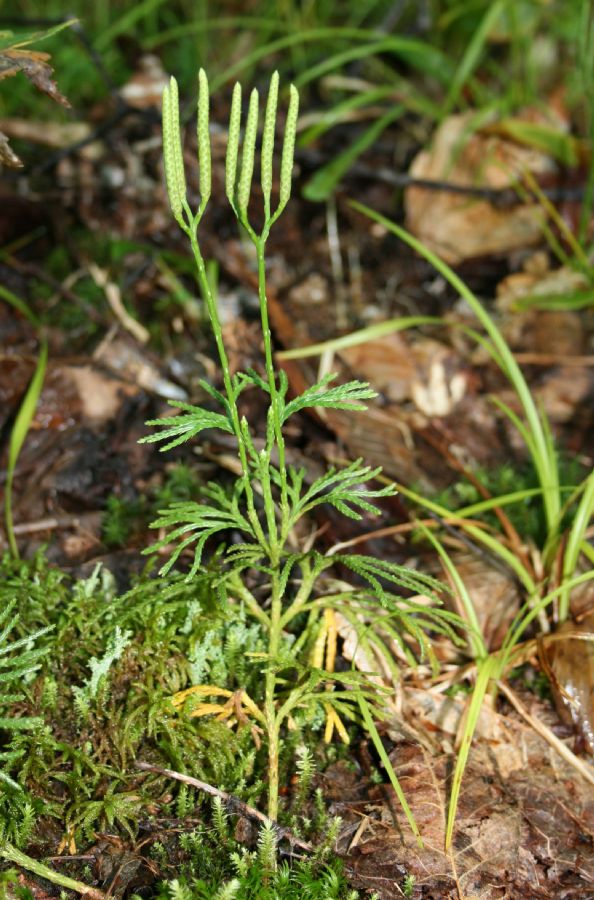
column 218, row 336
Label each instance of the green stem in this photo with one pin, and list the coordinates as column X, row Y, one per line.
column 275, row 399
column 305, row 632
column 269, row 508
column 273, row 753
column 302, row 596
column 218, row 335
column 272, row 723
column 250, row 601
column 11, row 854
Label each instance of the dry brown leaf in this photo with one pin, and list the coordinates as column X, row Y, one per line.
column 426, row 371
column 34, row 66
column 563, row 392
column 521, row 832
column 369, row 662
column 569, row 663
column 381, row 438
column 538, row 283
column 494, row 594
column 460, row 227
column 386, row 362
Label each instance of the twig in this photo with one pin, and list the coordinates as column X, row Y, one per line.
column 500, row 197
column 578, row 764
column 114, row 298
column 231, row 801
column 10, row 853
column 53, row 523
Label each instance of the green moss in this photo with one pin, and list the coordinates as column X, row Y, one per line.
column 102, row 696
column 199, row 869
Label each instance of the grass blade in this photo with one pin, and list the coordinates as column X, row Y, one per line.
column 17, row 439
column 574, row 542
column 326, row 179
column 381, row 751
column 472, row 55
column 475, row 638
column 486, row 671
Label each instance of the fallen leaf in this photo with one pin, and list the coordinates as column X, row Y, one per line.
column 494, row 594
column 563, row 392
column 537, row 288
column 520, row 832
column 461, row 226
column 34, row 66
column 382, row 439
column 569, row 662
column 386, row 362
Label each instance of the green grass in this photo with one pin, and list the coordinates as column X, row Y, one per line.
column 534, row 429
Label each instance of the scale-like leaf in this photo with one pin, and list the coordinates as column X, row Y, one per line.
column 295, row 484
column 345, row 490
column 214, row 393
column 251, row 377
column 195, row 523
column 240, row 556
column 290, row 562
column 182, row 428
column 198, row 515
column 342, row 396
column 371, row 570
column 18, row 658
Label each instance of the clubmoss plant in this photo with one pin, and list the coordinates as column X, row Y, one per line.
column 19, row 659
column 291, row 594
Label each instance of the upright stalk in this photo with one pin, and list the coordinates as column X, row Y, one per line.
column 272, row 723
column 218, row 335
column 274, row 396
